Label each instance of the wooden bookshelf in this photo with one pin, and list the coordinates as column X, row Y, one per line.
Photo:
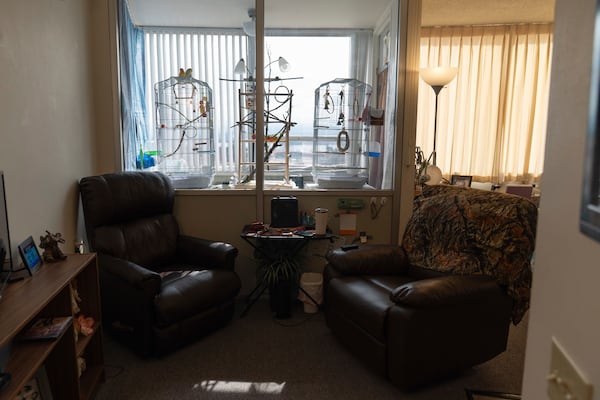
column 46, row 294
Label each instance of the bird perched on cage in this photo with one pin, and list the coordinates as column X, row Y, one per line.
column 185, row 74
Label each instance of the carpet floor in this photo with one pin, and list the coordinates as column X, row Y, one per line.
column 259, row 357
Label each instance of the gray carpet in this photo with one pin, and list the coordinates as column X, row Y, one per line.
column 258, row 357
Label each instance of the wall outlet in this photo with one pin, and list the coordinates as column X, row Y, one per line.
column 565, row 381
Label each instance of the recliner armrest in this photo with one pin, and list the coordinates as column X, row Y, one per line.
column 447, row 290
column 209, row 254
column 132, row 274
column 369, row 260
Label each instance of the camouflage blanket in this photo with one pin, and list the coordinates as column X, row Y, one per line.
column 468, row 231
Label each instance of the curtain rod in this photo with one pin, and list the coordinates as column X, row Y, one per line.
column 487, row 25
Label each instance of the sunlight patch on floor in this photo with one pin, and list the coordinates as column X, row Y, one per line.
column 240, row 387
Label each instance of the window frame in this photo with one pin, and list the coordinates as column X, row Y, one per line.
column 225, row 171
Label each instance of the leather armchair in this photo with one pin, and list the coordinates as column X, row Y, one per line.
column 159, row 289
column 443, row 300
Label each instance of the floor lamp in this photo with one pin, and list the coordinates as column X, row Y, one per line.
column 437, row 78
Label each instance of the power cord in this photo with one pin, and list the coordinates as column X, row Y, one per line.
column 375, row 209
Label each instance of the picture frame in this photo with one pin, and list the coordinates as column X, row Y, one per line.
column 30, row 255
column 461, row 180
column 589, row 221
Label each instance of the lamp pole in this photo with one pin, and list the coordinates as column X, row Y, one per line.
column 437, row 78
column 436, row 89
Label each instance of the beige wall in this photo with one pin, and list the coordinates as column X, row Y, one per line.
column 104, row 72
column 221, row 216
column 565, row 297
column 46, row 113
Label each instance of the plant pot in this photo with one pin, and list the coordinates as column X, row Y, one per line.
column 280, row 300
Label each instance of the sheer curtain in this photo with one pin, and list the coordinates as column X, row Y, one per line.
column 133, row 109
column 492, row 116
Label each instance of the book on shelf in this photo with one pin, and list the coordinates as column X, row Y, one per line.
column 46, row 328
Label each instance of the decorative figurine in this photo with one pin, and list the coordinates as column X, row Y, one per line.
column 49, row 243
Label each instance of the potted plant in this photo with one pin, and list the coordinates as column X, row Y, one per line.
column 279, row 272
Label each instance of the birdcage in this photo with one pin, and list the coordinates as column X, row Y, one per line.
column 341, row 134
column 184, row 131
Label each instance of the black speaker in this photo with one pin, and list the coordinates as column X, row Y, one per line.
column 284, row 212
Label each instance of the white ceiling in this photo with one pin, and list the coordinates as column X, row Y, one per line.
column 333, row 13
column 278, row 13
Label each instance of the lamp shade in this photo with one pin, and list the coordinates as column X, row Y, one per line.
column 240, row 67
column 284, row 65
column 438, row 76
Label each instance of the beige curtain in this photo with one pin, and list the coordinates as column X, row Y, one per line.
column 492, row 116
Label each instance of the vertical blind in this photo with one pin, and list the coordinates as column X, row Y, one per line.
column 492, row 116
column 212, row 55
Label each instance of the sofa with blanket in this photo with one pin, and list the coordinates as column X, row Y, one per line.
column 444, row 299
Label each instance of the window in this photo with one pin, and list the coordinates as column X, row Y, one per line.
column 301, row 51
column 492, row 116
column 163, row 58
column 211, row 55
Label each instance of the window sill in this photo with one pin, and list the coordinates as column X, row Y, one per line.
column 310, row 190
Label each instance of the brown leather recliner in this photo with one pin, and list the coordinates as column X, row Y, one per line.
column 159, row 289
column 443, row 300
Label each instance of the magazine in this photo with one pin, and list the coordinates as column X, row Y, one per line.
column 46, row 328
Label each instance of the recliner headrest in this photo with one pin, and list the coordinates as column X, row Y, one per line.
column 124, row 196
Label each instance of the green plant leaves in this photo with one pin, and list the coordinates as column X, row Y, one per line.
column 280, row 268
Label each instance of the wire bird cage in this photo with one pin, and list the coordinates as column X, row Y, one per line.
column 341, row 134
column 184, row 131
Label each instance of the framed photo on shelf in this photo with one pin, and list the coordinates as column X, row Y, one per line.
column 461, row 180
column 30, row 255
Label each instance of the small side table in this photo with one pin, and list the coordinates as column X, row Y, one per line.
column 272, row 245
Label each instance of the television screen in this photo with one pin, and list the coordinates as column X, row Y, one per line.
column 5, row 249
